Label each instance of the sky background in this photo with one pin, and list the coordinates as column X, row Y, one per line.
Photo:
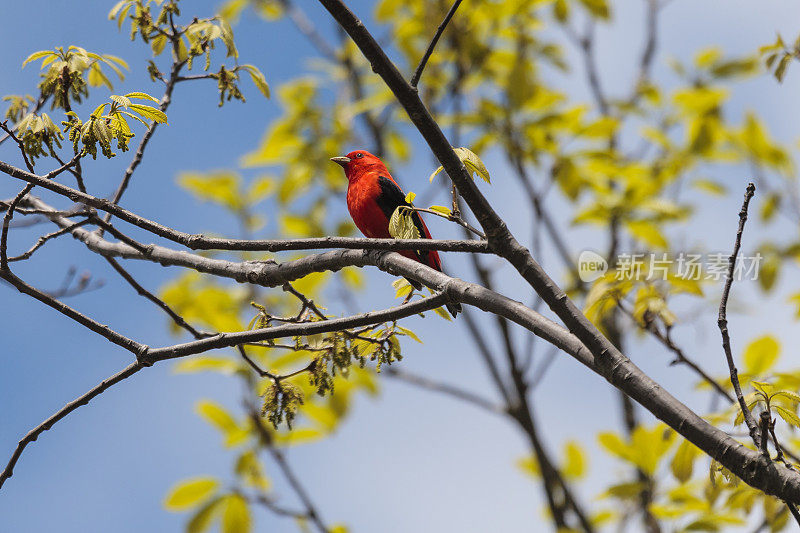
column 406, row 460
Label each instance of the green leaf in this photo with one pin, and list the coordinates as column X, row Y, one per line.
column 258, row 78
column 157, row 44
column 473, row 163
column 410, row 197
column 149, row 112
column 227, row 38
column 598, row 8
column 205, row 363
column 760, row 355
column 787, row 394
column 202, row 519
column 407, row 332
column 115, row 10
column 124, row 101
column 141, row 96
column 561, row 10
column 190, row 493
column 710, row 187
column 236, row 515
column 36, row 55
column 217, row 416
column 101, row 131
column 683, row 462
column 441, row 209
column 780, row 71
column 401, row 226
column 575, row 461
column 647, row 232
column 402, row 287
column 624, row 491
column 434, row 174
column 788, row 416
column 443, row 313
column 96, row 78
column 135, row 117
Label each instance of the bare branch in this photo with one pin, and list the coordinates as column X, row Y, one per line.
column 179, row 320
column 444, row 388
column 311, row 511
column 137, row 158
column 44, row 238
column 722, row 321
column 424, row 61
column 64, row 411
column 101, row 329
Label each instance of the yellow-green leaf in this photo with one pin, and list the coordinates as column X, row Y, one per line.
column 258, row 79
column 434, row 174
column 760, row 355
column 472, row 163
column 788, row 416
column 141, row 96
column 441, row 209
column 236, row 515
column 204, row 516
column 217, row 416
column 574, row 461
column 683, row 462
column 190, row 493
column 36, row 55
column 149, row 112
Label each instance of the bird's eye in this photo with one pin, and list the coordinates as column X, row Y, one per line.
column 359, row 154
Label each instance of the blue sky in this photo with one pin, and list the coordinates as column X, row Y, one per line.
column 405, row 461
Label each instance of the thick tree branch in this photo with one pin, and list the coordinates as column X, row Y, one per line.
column 199, row 242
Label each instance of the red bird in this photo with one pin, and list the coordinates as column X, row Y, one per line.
column 372, row 197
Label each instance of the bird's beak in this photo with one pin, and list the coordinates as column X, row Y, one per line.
column 342, row 160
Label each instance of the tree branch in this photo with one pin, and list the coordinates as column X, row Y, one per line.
column 311, row 511
column 722, row 321
column 426, row 383
column 424, row 61
column 61, row 413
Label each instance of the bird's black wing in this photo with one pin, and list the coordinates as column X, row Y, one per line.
column 391, row 198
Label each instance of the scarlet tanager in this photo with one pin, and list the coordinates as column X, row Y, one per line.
column 372, row 197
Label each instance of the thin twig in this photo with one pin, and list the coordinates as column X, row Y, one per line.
column 424, row 61
column 44, row 238
column 294, row 481
column 722, row 321
column 64, row 411
column 444, row 388
column 137, row 158
column 178, row 319
column 680, row 358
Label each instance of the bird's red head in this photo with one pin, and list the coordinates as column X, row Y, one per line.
column 357, row 162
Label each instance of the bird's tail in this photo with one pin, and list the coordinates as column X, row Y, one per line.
column 454, row 308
